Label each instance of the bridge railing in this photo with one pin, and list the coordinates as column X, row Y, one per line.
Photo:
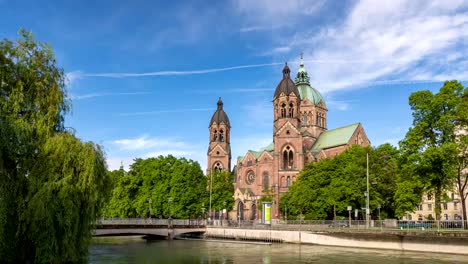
column 151, row 221
column 345, row 225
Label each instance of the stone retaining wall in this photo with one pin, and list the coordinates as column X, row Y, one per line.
column 440, row 243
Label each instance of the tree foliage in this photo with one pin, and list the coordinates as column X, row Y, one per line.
column 150, row 183
column 222, row 190
column 49, row 180
column 325, row 189
column 430, row 150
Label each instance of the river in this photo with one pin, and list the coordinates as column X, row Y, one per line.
column 135, row 250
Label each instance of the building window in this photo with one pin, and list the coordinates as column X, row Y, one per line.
column 429, row 197
column 221, row 135
column 420, row 217
column 320, row 120
column 288, row 158
column 304, row 119
column 249, row 163
column 410, row 217
column 250, row 177
column 429, row 207
column 266, row 181
column 215, row 135
column 288, row 181
column 446, row 216
column 420, row 207
column 283, row 110
column 218, row 167
column 445, row 206
column 455, row 207
column 291, row 110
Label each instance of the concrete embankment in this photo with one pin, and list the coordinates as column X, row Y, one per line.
column 424, row 242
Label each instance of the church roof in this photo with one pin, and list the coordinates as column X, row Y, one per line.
column 286, row 85
column 335, row 137
column 258, row 153
column 303, row 85
column 220, row 116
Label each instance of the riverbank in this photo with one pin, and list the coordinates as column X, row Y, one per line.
column 416, row 241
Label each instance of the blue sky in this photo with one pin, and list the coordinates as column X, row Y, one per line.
column 145, row 76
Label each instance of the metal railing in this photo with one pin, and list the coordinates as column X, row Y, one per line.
column 346, row 225
column 152, row 222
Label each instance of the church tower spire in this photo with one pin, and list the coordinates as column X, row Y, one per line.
column 219, row 150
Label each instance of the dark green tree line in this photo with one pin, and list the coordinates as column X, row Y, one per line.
column 160, row 187
column 50, row 181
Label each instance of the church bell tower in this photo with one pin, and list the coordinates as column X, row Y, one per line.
column 219, row 150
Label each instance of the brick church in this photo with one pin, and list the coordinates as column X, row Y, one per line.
column 300, row 136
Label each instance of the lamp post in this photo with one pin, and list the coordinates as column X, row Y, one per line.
column 211, row 187
column 350, row 208
column 378, row 207
column 367, row 192
column 203, row 210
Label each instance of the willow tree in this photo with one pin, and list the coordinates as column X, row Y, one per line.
column 49, row 180
column 430, row 150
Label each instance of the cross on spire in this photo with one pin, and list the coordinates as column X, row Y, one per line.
column 302, row 61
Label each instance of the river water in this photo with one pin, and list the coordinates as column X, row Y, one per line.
column 135, row 250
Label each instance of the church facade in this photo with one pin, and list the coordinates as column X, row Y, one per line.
column 300, row 136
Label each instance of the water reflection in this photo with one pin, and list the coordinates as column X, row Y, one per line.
column 118, row 250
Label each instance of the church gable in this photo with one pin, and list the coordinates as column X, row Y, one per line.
column 287, row 127
column 218, row 150
column 359, row 137
column 265, row 156
column 249, row 159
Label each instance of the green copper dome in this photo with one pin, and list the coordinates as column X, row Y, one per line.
column 302, row 81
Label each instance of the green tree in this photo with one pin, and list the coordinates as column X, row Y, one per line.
column 325, row 189
column 160, row 187
column 223, row 190
column 429, row 149
column 50, row 182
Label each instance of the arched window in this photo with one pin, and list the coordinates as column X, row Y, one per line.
column 283, row 110
column 266, row 181
column 221, row 135
column 288, row 158
column 215, row 135
column 304, row 119
column 288, row 181
column 291, row 110
column 218, row 167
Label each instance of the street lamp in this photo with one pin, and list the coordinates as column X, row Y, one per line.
column 350, row 208
column 367, row 192
column 378, row 207
column 224, row 209
column 211, row 187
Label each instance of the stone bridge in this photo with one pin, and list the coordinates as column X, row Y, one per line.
column 164, row 228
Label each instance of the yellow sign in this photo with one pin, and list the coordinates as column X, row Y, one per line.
column 267, row 214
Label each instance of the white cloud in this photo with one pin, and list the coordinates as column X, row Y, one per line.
column 339, row 105
column 79, row 74
column 93, row 95
column 271, row 14
column 410, row 39
column 146, row 142
column 73, row 76
column 156, row 112
column 145, row 146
